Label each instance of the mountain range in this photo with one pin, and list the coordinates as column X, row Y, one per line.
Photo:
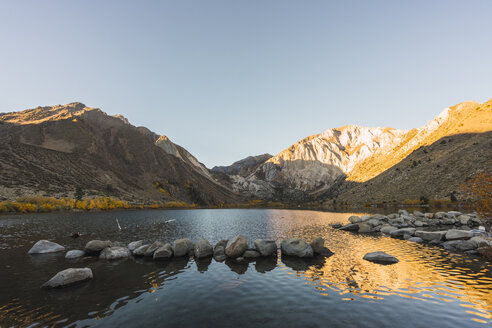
column 53, row 150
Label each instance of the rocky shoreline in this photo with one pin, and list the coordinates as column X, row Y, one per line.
column 452, row 230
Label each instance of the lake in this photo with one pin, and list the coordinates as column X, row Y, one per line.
column 429, row 287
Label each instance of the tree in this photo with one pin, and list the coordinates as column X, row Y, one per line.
column 79, row 193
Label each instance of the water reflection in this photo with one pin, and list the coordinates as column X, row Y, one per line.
column 431, row 282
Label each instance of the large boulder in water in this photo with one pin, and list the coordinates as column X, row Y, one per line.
column 219, row 253
column 380, row 257
column 296, row 247
column 114, row 253
column 266, row 247
column 203, row 249
column 236, row 246
column 182, row 247
column 68, row 277
column 45, row 246
column 317, row 245
column 94, row 247
column 164, row 252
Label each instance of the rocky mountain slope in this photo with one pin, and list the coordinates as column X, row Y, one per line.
column 52, row 150
column 331, row 163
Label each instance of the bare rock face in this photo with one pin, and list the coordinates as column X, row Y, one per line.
column 380, row 257
column 46, row 246
column 68, row 277
column 296, row 247
column 236, row 246
column 94, row 247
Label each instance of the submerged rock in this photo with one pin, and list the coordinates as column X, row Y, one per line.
column 380, row 257
column 416, row 240
column 45, row 246
column 203, row 249
column 182, row 247
column 296, row 247
column 266, row 247
column 94, row 247
column 114, row 253
column 350, row 227
column 164, row 252
column 73, row 254
column 236, row 246
column 68, row 277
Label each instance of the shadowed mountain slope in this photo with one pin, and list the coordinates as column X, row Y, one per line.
column 52, row 150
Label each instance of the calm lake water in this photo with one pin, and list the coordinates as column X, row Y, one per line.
column 429, row 287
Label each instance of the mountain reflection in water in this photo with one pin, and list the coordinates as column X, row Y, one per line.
column 428, row 285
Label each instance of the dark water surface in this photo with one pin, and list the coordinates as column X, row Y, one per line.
column 429, row 287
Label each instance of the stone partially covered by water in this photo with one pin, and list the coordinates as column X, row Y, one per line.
column 68, row 277
column 46, row 246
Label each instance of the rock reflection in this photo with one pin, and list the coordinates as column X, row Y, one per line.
column 203, row 264
column 266, row 264
column 239, row 267
column 303, row 264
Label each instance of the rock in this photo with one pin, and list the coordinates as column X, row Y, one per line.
column 251, row 253
column 417, row 213
column 387, row 229
column 454, row 234
column 296, row 247
column 431, row 235
column 152, row 248
column 317, row 245
column 266, row 247
column 68, row 277
column 474, row 221
column 365, row 227
column 203, row 249
column 350, row 227
column 380, row 257
column 94, row 247
column 134, row 245
column 222, row 243
column 396, row 221
column 403, row 212
column 418, row 223
column 236, row 246
column 219, row 253
column 454, row 213
column 73, row 254
column 460, row 245
column 365, row 217
column 354, row 219
column 114, row 253
column 448, row 221
column 163, row 252
column 472, row 252
column 463, row 219
column 429, row 215
column 325, row 252
column 480, row 241
column 45, row 246
column 373, row 222
column 182, row 247
column 140, row 251
column 402, row 232
column 336, row 225
column 416, row 240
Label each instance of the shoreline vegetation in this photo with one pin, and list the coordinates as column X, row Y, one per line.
column 43, row 204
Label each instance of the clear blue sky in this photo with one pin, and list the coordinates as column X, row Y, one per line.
column 228, row 79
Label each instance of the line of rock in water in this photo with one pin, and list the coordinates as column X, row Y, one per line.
column 452, row 230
